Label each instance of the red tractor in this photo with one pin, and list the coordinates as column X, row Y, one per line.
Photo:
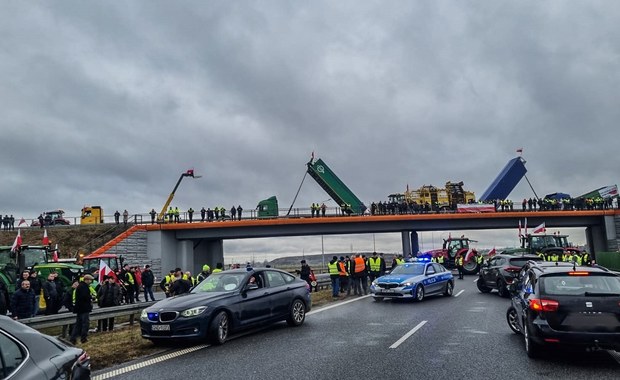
column 453, row 247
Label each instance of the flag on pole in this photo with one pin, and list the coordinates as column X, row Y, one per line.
column 540, row 228
column 55, row 254
column 491, row 252
column 105, row 270
column 22, row 221
column 18, row 241
column 525, row 227
column 46, row 240
column 520, row 229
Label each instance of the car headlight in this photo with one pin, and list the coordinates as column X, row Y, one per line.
column 374, row 283
column 195, row 311
column 407, row 284
column 144, row 315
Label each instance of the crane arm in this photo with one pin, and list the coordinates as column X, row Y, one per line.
column 189, row 173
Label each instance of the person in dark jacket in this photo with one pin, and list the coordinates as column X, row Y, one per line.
column 109, row 295
column 82, row 306
column 5, row 301
column 36, row 285
column 148, row 280
column 50, row 294
column 179, row 285
column 304, row 273
column 22, row 303
column 60, row 291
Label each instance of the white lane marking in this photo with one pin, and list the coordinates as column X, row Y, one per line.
column 476, row 280
column 406, row 336
column 336, row 305
column 133, row 367
column 459, row 293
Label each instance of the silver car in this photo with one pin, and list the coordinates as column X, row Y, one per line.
column 413, row 280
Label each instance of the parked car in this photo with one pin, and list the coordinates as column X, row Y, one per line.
column 27, row 354
column 413, row 280
column 566, row 305
column 500, row 271
column 228, row 302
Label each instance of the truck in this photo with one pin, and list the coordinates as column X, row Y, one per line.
column 451, row 248
column 268, row 208
column 434, row 198
column 91, row 215
column 335, row 188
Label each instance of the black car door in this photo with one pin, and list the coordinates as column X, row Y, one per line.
column 281, row 293
column 254, row 304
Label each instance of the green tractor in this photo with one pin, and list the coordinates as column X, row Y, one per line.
column 12, row 264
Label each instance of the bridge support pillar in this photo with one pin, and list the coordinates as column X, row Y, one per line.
column 208, row 252
column 406, row 239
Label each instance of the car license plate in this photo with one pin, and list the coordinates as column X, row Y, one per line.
column 388, row 290
column 160, row 328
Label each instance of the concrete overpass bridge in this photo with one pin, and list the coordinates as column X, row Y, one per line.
column 190, row 245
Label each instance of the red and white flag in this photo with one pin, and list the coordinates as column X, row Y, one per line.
column 525, row 227
column 105, row 270
column 18, row 241
column 520, row 228
column 46, row 240
column 491, row 252
column 22, row 221
column 55, row 253
column 540, row 228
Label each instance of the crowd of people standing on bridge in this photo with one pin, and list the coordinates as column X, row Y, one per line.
column 500, row 205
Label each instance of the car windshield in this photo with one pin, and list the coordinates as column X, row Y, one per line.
column 589, row 285
column 409, row 269
column 220, row 282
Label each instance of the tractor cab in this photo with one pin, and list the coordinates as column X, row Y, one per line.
column 92, row 263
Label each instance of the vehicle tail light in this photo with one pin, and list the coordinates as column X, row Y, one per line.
column 552, row 340
column 513, row 269
column 577, row 273
column 544, row 305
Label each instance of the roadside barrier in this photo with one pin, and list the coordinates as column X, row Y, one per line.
column 64, row 320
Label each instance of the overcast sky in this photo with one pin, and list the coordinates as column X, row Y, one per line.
column 108, row 102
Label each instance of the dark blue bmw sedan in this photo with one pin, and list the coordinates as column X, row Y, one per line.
column 227, row 302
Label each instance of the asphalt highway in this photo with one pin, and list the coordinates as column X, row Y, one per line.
column 461, row 337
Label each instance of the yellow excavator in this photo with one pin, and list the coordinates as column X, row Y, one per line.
column 162, row 214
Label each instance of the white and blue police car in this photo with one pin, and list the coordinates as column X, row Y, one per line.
column 415, row 280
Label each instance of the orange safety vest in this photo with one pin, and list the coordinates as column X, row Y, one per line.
column 360, row 265
column 342, row 270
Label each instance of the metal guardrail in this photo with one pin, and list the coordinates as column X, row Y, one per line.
column 64, row 320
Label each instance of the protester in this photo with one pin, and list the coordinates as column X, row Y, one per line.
column 109, row 295
column 22, row 303
column 82, row 306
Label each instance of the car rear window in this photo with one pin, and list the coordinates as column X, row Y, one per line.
column 592, row 284
column 521, row 261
